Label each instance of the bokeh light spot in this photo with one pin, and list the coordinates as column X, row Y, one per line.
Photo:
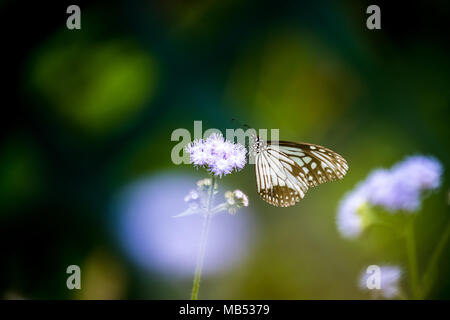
column 95, row 87
column 156, row 241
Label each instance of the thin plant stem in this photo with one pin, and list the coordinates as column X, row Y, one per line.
column 203, row 240
column 430, row 271
column 412, row 261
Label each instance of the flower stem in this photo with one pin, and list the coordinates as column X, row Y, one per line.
column 203, row 240
column 412, row 261
column 430, row 272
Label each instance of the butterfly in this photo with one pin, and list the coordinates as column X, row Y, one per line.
column 286, row 170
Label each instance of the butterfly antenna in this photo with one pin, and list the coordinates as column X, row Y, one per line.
column 240, row 124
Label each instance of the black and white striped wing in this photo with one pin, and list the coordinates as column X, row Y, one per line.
column 284, row 172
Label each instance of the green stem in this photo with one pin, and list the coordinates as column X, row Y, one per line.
column 203, row 241
column 412, row 261
column 219, row 208
column 430, row 271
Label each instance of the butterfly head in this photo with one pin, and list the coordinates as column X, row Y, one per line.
column 256, row 144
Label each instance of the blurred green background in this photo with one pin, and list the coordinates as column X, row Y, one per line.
column 89, row 112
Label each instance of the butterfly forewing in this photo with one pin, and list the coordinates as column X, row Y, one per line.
column 286, row 170
column 320, row 164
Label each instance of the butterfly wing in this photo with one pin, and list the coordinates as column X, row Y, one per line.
column 276, row 180
column 286, row 170
column 319, row 164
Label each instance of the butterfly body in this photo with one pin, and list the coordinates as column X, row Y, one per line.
column 285, row 170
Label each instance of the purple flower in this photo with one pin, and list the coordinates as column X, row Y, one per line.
column 387, row 189
column 389, row 281
column 401, row 187
column 349, row 221
column 197, row 152
column 420, row 172
column 398, row 188
column 221, row 167
column 237, row 156
column 220, row 156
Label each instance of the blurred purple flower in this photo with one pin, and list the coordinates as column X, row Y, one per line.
column 194, row 199
column 419, row 172
column 387, row 189
column 398, row 188
column 349, row 221
column 198, row 154
column 219, row 155
column 390, row 277
column 155, row 240
column 401, row 187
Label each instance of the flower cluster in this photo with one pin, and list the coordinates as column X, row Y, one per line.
column 389, row 282
column 220, row 156
column 400, row 188
column 197, row 200
column 349, row 220
column 397, row 189
column 194, row 200
column 235, row 200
